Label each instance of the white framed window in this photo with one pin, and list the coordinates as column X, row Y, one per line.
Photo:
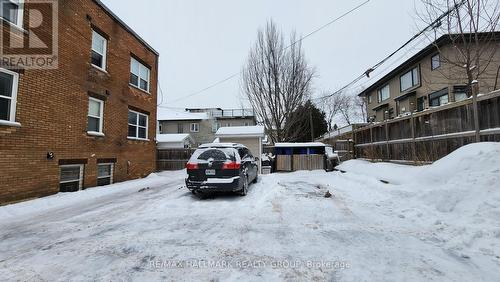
column 12, row 11
column 95, row 117
column 384, row 93
column 195, row 127
column 369, row 99
column 71, row 178
column 435, row 62
column 105, row 174
column 99, row 50
column 8, row 95
column 139, row 75
column 409, row 79
column 137, row 125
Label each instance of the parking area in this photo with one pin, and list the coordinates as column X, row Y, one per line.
column 285, row 228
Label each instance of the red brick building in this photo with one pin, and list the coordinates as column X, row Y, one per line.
column 92, row 120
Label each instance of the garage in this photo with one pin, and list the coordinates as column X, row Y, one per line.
column 250, row 136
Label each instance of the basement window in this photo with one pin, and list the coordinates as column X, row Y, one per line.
column 71, row 178
column 105, row 174
column 139, row 75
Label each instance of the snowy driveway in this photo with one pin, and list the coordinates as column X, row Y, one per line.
column 285, row 229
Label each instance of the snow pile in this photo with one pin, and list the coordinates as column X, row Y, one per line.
column 476, row 163
column 456, row 200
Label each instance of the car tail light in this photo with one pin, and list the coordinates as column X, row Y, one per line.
column 231, row 165
column 191, row 166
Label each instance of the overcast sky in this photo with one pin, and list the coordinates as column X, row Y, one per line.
column 204, row 41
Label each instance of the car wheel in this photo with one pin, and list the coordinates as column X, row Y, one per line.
column 244, row 190
column 256, row 179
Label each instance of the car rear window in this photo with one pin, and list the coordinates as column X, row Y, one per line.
column 215, row 154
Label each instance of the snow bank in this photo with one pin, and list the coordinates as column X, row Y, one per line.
column 61, row 200
column 455, row 200
column 474, row 162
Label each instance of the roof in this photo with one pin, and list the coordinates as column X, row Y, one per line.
column 172, row 138
column 165, row 114
column 125, row 26
column 301, row 145
column 241, row 131
column 222, row 145
column 428, row 50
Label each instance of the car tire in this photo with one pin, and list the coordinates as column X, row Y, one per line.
column 244, row 189
column 256, row 179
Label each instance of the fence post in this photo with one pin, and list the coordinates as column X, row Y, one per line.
column 387, row 139
column 413, row 145
column 475, row 90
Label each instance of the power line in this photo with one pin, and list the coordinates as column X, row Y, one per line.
column 382, row 72
column 435, row 24
column 300, row 40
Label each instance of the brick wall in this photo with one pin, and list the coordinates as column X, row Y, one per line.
column 52, row 107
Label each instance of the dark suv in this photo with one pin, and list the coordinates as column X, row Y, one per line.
column 221, row 167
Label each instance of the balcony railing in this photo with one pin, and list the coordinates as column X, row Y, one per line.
column 232, row 113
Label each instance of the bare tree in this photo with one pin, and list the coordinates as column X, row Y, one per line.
column 345, row 108
column 277, row 80
column 470, row 26
column 331, row 106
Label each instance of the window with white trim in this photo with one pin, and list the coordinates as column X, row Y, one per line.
column 99, row 50
column 384, row 93
column 71, row 178
column 8, row 95
column 95, row 116
column 139, row 75
column 105, row 174
column 12, row 11
column 137, row 125
column 409, row 79
column 195, row 127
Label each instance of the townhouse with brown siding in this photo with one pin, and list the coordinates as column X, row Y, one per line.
column 91, row 120
column 427, row 80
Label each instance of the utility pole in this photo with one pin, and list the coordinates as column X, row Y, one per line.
column 311, row 123
column 475, row 91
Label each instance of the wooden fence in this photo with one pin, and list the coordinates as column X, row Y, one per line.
column 344, row 148
column 300, row 162
column 432, row 134
column 173, row 159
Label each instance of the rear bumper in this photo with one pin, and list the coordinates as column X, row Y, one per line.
column 215, row 185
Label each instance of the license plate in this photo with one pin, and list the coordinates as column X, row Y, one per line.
column 210, row 172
